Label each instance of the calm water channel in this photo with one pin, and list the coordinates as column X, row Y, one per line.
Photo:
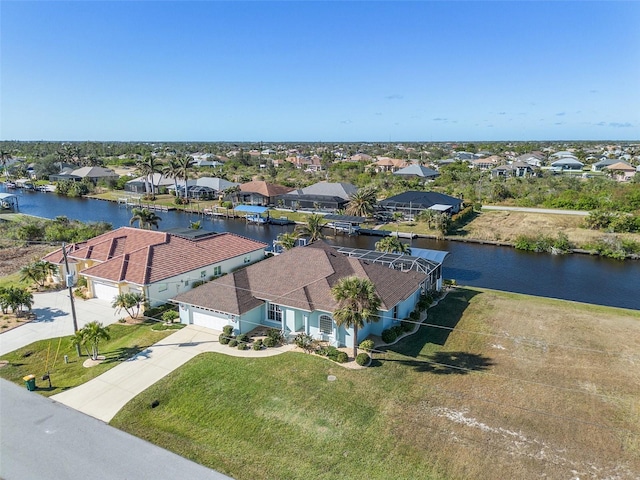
column 575, row 277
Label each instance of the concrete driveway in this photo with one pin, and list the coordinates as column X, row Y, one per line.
column 106, row 394
column 53, row 319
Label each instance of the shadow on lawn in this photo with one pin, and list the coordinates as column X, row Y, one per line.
column 440, row 322
column 447, row 363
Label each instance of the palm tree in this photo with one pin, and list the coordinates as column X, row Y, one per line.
column 172, row 170
column 145, row 218
column 392, row 245
column 130, row 302
column 184, row 169
column 78, row 341
column 312, row 229
column 288, row 240
column 358, row 303
column 147, row 167
column 93, row 332
column 362, row 202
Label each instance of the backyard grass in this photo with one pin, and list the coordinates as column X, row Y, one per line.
column 498, row 386
column 42, row 356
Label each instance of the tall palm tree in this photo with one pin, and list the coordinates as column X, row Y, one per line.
column 147, row 167
column 362, row 202
column 312, row 229
column 288, row 240
column 392, row 245
column 172, row 170
column 184, row 169
column 93, row 333
column 358, row 303
column 145, row 218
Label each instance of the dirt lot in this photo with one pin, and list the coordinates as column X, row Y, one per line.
column 506, row 226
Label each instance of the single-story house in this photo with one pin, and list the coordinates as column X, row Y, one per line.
column 321, row 195
column 487, row 163
column 387, row 164
column 417, row 171
column 158, row 265
column 204, row 187
column 514, row 169
column 535, row 159
column 412, row 202
column 605, row 162
column 621, row 171
column 259, row 192
column 143, row 184
column 567, row 163
column 292, row 292
column 93, row 174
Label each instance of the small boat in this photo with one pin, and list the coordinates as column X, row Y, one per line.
column 9, row 184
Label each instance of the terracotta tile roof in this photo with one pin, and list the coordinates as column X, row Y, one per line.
column 301, row 278
column 264, row 188
column 143, row 257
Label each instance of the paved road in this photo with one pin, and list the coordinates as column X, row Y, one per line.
column 536, row 210
column 106, row 394
column 41, row 439
column 53, row 319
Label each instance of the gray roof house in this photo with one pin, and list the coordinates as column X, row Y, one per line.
column 415, row 170
column 413, row 202
column 204, row 187
column 139, row 185
column 567, row 163
column 321, row 195
column 93, row 174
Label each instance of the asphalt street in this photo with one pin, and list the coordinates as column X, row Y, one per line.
column 42, row 439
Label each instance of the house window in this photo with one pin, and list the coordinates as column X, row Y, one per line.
column 275, row 313
column 247, row 258
column 162, row 287
column 203, row 274
column 217, row 271
column 395, row 312
column 326, row 324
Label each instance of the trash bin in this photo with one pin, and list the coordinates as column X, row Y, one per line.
column 30, row 381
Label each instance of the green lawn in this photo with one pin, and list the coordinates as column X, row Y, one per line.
column 492, row 398
column 37, row 358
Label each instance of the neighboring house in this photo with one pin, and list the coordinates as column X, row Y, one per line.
column 387, row 164
column 535, row 159
column 292, row 292
column 621, row 171
column 417, row 171
column 321, row 195
column 158, row 265
column 143, row 184
column 486, row 163
column 93, row 174
column 259, row 193
column 514, row 169
column 604, row 162
column 567, row 163
column 204, row 187
column 412, row 202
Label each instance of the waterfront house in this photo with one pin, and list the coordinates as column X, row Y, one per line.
column 93, row 174
column 258, row 192
column 413, row 202
column 158, row 265
column 292, row 292
column 143, row 184
column 321, row 195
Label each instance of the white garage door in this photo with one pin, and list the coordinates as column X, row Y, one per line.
column 105, row 292
column 209, row 321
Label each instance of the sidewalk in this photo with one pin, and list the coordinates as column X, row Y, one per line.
column 53, row 319
column 106, row 394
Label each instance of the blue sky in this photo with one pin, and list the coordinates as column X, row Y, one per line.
column 319, row 71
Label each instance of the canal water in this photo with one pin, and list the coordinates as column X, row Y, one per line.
column 575, row 277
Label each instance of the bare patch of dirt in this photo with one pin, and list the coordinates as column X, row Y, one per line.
column 10, row 321
column 12, row 259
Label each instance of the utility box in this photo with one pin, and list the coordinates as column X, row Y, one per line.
column 70, row 282
column 30, row 382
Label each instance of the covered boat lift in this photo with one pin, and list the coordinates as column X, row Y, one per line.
column 254, row 213
column 8, row 201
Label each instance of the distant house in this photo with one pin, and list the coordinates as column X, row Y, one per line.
column 514, row 169
column 567, row 163
column 604, row 162
column 417, row 171
column 158, row 265
column 387, row 164
column 259, row 193
column 204, row 187
column 292, row 292
column 413, row 202
column 535, row 159
column 621, row 171
column 93, row 174
column 321, row 195
column 486, row 163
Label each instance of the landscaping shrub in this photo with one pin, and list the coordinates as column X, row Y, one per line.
column 244, row 338
column 169, row 316
column 227, row 330
column 389, row 335
column 305, row 342
column 407, row 326
column 398, row 330
column 341, row 357
column 233, row 342
column 362, row 359
column 415, row 315
column 257, row 344
column 276, row 335
column 269, row 342
column 156, row 312
column 367, row 345
column 242, row 346
column 197, row 283
column 224, row 339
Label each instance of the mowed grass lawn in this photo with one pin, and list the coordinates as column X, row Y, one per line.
column 48, row 355
column 522, row 387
